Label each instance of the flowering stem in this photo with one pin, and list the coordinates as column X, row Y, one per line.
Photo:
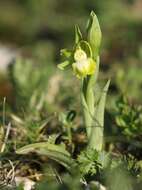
column 69, row 133
column 94, row 133
column 84, row 60
column 88, row 96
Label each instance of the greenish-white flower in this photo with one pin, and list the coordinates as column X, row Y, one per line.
column 83, row 65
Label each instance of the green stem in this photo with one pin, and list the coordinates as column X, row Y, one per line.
column 88, row 99
column 93, row 115
column 88, row 96
column 69, row 133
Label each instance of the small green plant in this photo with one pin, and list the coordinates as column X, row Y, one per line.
column 84, row 61
column 128, row 118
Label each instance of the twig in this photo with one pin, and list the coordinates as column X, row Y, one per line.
column 3, row 115
column 6, row 137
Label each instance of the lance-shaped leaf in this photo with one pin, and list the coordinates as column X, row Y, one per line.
column 99, row 112
column 96, row 137
column 78, row 35
column 94, row 34
column 52, row 151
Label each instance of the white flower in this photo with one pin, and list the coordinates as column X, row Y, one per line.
column 83, row 66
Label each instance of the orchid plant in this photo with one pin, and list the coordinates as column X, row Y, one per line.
column 83, row 60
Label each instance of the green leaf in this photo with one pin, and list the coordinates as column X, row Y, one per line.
column 94, row 34
column 54, row 152
column 63, row 65
column 71, row 115
column 87, row 161
column 78, row 35
column 99, row 113
column 96, row 137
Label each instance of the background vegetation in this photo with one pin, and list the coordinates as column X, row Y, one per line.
column 39, row 97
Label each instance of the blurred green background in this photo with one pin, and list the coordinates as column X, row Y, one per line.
column 39, row 29
column 32, row 32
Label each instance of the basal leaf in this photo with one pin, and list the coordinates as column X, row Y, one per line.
column 54, row 152
column 96, row 137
